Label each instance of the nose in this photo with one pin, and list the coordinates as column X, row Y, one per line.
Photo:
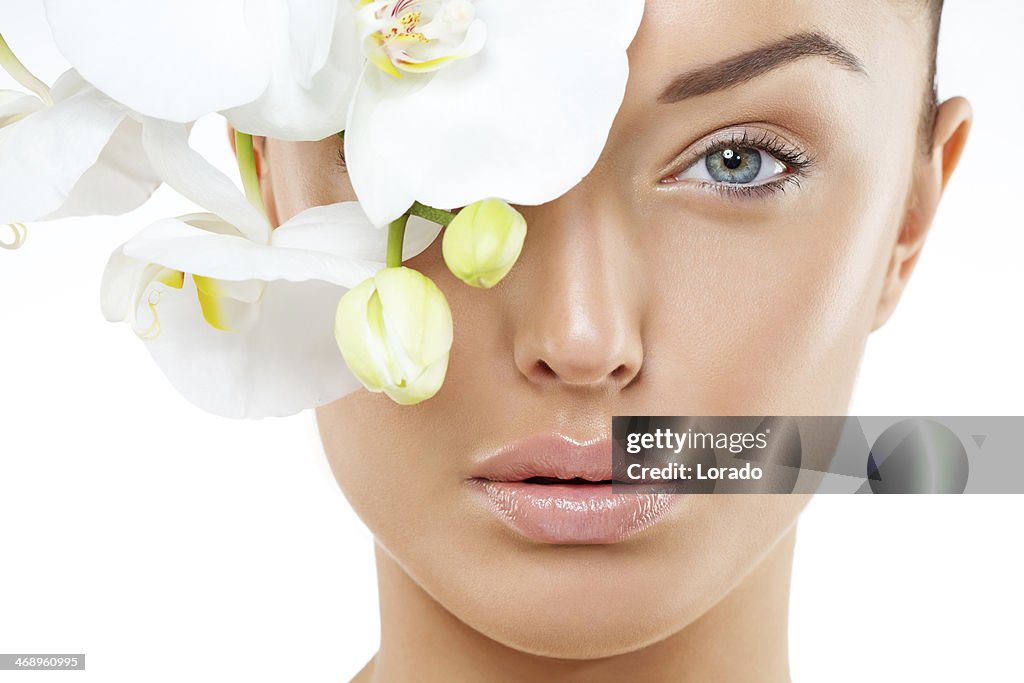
column 580, row 316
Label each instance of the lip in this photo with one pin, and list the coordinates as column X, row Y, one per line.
column 583, row 512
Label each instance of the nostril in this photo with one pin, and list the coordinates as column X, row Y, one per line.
column 620, row 372
column 545, row 370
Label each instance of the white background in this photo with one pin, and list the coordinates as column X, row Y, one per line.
column 168, row 544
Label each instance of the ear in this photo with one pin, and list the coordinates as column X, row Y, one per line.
column 259, row 146
column 949, row 135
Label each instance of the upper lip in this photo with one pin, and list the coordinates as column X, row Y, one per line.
column 556, row 456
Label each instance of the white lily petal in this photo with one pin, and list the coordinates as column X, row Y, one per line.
column 170, row 59
column 284, row 362
column 194, row 177
column 44, row 155
column 525, row 119
column 313, row 70
column 345, row 230
column 176, row 244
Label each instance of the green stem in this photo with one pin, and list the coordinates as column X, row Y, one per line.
column 20, row 73
column 247, row 168
column 396, row 237
column 439, row 216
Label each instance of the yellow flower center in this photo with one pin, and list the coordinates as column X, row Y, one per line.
column 418, row 36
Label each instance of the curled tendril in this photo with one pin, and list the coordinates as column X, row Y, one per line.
column 20, row 233
column 145, row 292
column 153, row 331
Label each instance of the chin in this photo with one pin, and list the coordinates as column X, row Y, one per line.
column 583, row 602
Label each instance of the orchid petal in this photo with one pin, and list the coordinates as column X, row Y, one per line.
column 285, row 361
column 120, row 181
column 194, row 177
column 344, row 229
column 118, row 280
column 169, row 59
column 43, row 156
column 313, row 69
column 15, row 105
column 521, row 121
column 474, row 41
column 176, row 244
column 223, row 312
column 311, row 26
column 384, row 194
column 126, row 281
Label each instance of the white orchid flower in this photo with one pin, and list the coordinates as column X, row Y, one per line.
column 69, row 151
column 244, row 329
column 240, row 316
column 462, row 101
column 280, row 68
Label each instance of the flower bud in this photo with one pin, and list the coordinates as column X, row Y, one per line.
column 395, row 332
column 483, row 241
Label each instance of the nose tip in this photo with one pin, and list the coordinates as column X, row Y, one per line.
column 593, row 358
column 581, row 376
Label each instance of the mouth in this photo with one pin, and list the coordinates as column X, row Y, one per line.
column 575, row 481
column 554, row 489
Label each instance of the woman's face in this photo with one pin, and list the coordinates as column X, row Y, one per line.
column 678, row 278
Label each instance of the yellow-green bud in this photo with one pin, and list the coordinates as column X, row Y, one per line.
column 395, row 333
column 483, row 241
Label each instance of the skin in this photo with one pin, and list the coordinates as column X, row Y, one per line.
column 635, row 296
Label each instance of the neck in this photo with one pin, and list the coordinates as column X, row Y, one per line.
column 741, row 638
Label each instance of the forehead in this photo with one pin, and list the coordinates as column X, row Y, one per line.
column 680, row 35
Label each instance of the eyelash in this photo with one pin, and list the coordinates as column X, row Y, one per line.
column 796, row 160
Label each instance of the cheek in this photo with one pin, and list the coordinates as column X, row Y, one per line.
column 395, row 464
column 768, row 313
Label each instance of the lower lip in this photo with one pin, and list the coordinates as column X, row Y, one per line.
column 571, row 513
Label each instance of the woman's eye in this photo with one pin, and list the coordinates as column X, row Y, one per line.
column 735, row 166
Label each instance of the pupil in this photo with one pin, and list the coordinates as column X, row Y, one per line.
column 733, row 159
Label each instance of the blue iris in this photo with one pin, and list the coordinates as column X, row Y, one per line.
column 734, row 165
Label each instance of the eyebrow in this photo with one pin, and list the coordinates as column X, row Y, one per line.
column 749, row 65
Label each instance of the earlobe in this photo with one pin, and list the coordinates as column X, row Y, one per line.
column 949, row 135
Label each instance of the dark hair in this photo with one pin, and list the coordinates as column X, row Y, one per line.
column 931, row 100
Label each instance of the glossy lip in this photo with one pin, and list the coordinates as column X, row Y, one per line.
column 577, row 513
